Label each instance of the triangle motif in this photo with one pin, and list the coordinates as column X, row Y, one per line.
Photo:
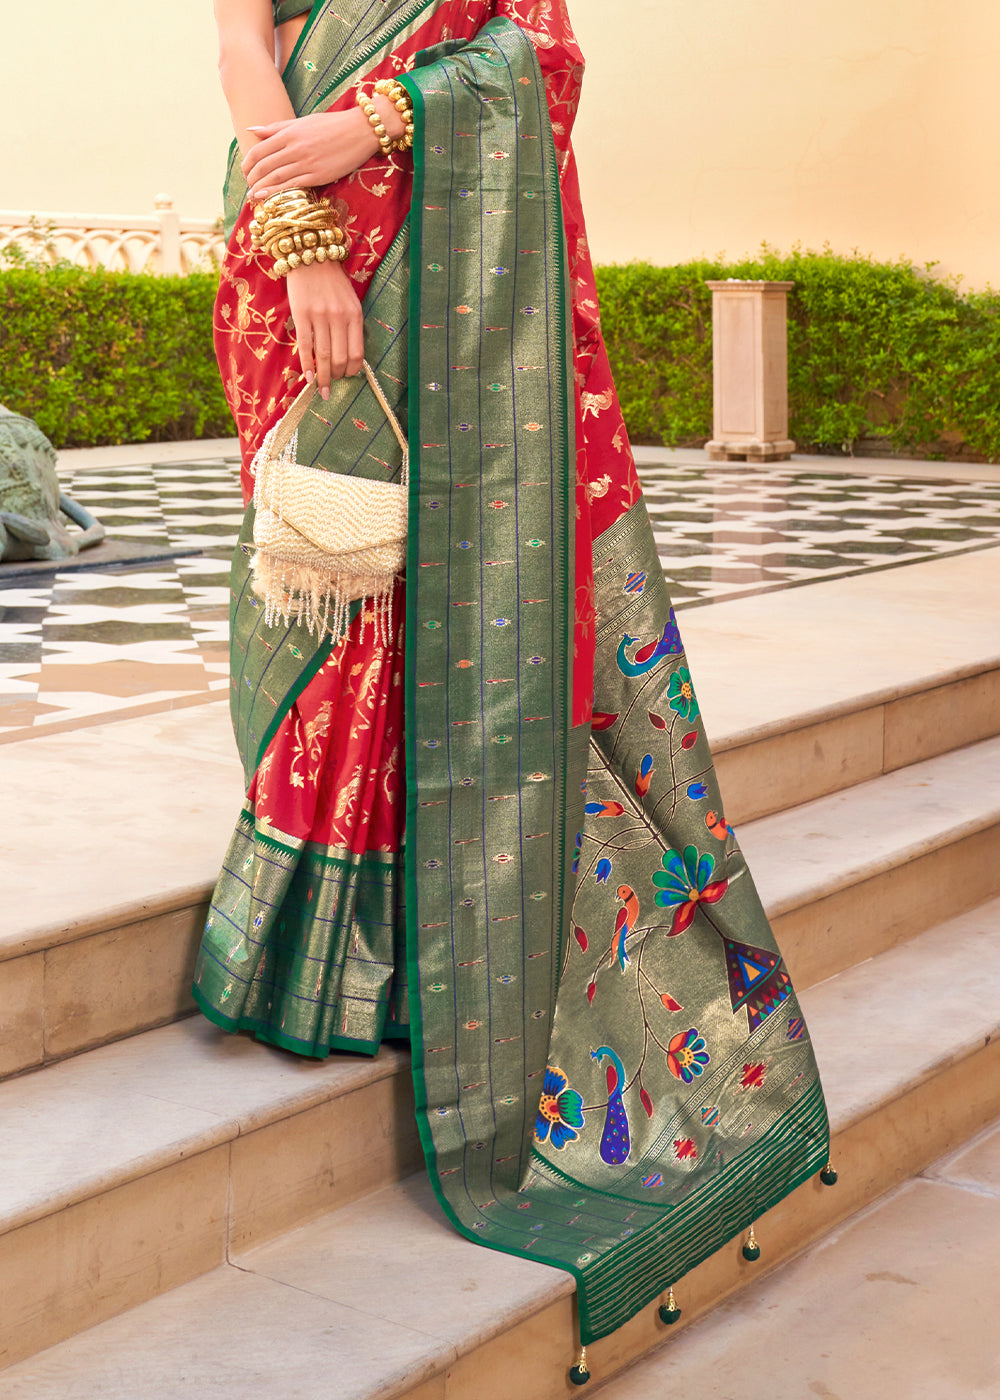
column 757, row 981
column 752, row 971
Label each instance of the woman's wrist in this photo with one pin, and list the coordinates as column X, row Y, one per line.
column 385, row 126
column 391, row 119
column 296, row 229
column 394, row 91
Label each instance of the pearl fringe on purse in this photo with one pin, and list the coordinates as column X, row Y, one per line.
column 322, row 538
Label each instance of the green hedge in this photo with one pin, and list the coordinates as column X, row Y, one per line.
column 106, row 357
column 876, row 351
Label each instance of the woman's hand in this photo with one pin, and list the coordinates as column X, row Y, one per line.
column 328, row 322
column 306, row 152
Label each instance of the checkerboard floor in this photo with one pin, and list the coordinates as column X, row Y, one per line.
column 723, row 531
column 81, row 645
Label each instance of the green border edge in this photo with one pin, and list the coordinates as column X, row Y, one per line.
column 410, row 686
column 412, row 560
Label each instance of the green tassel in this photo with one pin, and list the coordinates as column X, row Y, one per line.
column 579, row 1374
column 751, row 1250
column 828, row 1175
column 669, row 1311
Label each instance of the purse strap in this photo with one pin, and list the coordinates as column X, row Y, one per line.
column 300, row 406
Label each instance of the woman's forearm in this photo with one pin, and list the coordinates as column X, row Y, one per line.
column 252, row 87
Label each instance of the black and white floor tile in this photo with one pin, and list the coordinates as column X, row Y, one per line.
column 724, row 531
column 81, row 645
column 186, row 505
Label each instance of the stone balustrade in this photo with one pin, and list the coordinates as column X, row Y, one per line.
column 161, row 242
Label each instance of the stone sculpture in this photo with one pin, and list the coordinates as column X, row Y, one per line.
column 32, row 508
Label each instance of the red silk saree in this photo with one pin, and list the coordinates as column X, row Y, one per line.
column 500, row 834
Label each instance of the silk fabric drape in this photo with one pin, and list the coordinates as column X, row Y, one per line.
column 612, row 1071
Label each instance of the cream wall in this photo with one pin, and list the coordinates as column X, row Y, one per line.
column 106, row 103
column 865, row 123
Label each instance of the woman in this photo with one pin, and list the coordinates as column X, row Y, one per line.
column 611, row 1068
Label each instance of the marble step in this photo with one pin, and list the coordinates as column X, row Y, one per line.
column 846, row 876
column 139, row 1165
column 379, row 1299
column 102, row 922
column 842, row 877
column 811, row 690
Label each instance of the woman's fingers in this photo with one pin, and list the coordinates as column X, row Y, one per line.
column 321, row 347
column 266, row 164
column 328, row 321
column 304, row 345
column 286, row 170
column 355, row 342
column 287, row 177
column 283, row 143
column 338, row 347
column 253, row 158
column 318, row 150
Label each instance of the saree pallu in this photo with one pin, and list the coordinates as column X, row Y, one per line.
column 612, row 1071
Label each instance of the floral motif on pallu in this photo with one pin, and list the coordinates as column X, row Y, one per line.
column 672, row 962
column 685, row 882
column 560, row 1115
column 687, row 1055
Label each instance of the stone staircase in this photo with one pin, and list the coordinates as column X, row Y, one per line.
column 184, row 1212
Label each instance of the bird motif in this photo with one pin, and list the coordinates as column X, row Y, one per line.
column 596, row 489
column 644, row 776
column 242, row 303
column 717, row 825
column 615, row 1142
column 596, row 403
column 625, row 923
column 667, row 644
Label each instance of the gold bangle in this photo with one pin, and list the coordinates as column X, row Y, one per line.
column 375, row 122
column 400, row 99
column 296, row 229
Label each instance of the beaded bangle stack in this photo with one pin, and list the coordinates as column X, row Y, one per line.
column 296, row 229
column 388, row 87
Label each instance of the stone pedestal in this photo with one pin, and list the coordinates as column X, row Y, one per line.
column 750, row 356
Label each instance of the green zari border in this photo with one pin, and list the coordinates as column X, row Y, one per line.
column 260, row 1029
column 410, row 679
column 287, row 1042
column 567, row 768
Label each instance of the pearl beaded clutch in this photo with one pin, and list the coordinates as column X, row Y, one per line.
column 323, row 539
